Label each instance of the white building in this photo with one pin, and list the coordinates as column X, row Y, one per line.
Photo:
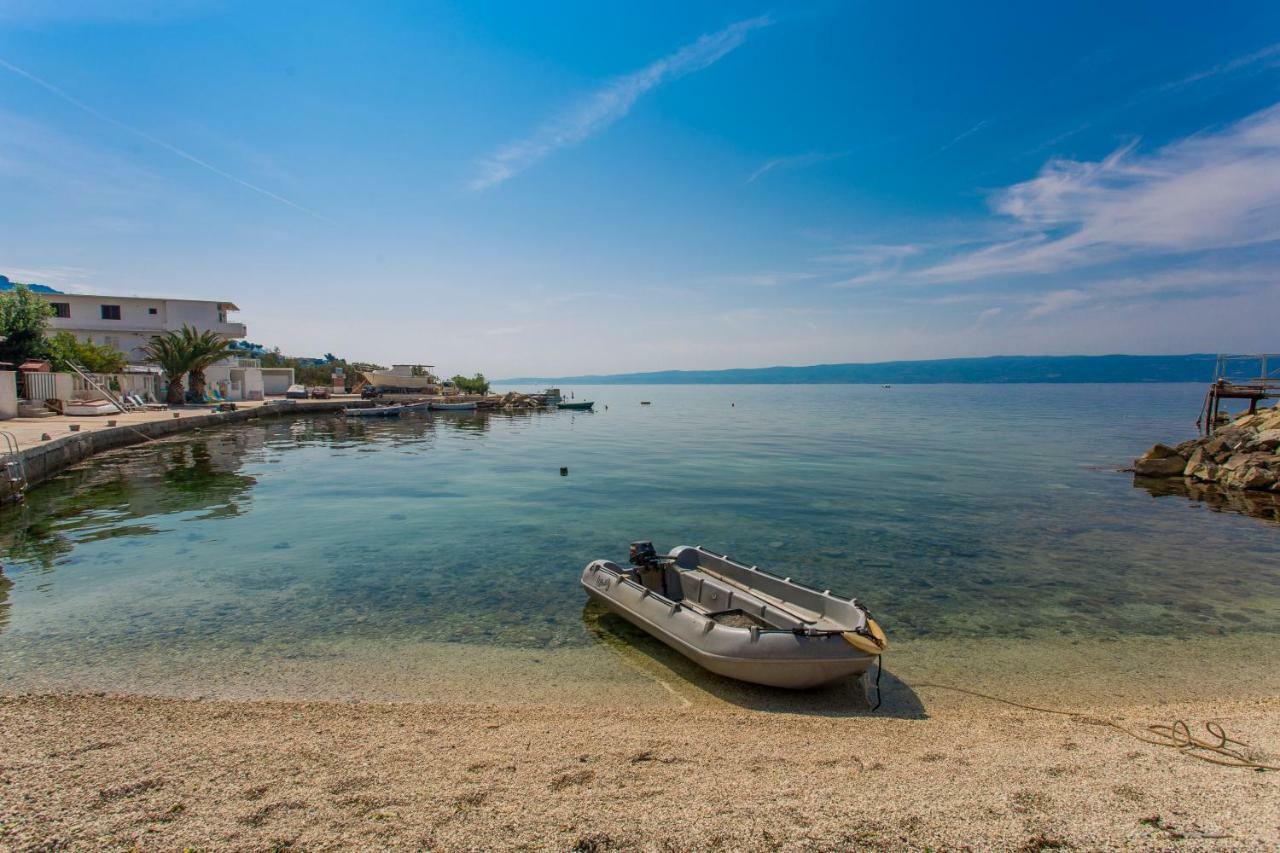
column 128, row 322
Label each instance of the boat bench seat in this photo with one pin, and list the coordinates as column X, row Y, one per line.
column 715, row 596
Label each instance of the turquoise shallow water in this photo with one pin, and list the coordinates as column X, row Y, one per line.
column 952, row 511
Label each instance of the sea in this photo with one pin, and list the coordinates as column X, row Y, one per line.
column 437, row 556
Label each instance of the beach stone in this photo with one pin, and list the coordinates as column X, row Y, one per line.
column 1165, row 466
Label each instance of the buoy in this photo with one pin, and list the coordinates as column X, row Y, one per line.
column 564, row 472
column 873, row 645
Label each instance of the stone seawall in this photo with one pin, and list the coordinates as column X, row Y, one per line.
column 45, row 460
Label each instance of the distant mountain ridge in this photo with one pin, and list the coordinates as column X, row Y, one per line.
column 1195, row 367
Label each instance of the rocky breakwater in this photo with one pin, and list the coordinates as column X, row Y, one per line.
column 1244, row 454
column 514, row 400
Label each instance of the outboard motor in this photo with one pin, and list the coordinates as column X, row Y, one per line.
column 643, row 555
column 648, row 566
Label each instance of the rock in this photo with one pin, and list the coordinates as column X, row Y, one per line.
column 1268, row 439
column 1165, row 466
column 1160, row 451
column 1240, row 461
column 1257, row 478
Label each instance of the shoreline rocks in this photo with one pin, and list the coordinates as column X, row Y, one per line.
column 1244, row 454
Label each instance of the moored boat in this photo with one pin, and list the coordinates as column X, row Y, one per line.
column 453, row 407
column 375, row 412
column 736, row 620
column 576, row 407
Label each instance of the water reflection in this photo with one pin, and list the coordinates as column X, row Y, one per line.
column 1256, row 504
column 98, row 499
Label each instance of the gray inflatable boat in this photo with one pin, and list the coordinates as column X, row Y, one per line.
column 737, row 620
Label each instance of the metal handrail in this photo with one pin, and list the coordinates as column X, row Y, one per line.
column 118, row 402
column 12, row 470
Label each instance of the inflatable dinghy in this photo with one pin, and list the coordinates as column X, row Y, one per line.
column 736, row 620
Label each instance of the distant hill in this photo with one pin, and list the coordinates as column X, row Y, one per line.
column 6, row 285
column 1196, row 367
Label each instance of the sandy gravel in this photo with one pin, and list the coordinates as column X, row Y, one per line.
column 102, row 772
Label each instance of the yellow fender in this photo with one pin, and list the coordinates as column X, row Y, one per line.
column 873, row 645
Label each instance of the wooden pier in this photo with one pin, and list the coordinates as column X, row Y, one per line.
column 1231, row 382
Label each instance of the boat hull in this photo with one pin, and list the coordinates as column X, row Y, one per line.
column 774, row 658
column 375, row 412
column 575, row 407
column 453, row 407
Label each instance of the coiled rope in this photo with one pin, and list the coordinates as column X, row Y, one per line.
column 1218, row 748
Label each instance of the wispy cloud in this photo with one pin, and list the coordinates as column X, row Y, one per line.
column 760, row 279
column 39, row 12
column 611, row 102
column 160, row 143
column 795, row 161
column 1215, row 190
column 1267, row 57
column 963, row 136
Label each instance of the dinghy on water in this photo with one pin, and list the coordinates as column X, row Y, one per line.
column 375, row 412
column 737, row 620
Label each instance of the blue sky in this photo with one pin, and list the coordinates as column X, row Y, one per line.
column 537, row 189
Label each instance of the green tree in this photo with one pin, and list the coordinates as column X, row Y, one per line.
column 23, row 320
column 65, row 349
column 203, row 350
column 475, row 385
column 169, row 352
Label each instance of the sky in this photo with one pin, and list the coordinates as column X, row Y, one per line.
column 541, row 189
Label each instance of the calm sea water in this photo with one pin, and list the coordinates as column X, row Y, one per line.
column 952, row 511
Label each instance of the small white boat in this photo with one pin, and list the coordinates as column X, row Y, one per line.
column 375, row 412
column 453, row 407
column 737, row 620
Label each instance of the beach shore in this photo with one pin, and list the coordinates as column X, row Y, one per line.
column 583, row 749
column 98, row 771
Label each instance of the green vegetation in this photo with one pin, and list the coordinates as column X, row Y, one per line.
column 169, row 352
column 24, row 317
column 316, row 371
column 186, row 351
column 203, row 350
column 65, row 349
column 475, row 385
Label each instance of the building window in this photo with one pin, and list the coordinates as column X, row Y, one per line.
column 61, row 310
column 111, row 312
column 152, row 311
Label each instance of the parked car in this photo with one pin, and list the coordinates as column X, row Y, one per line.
column 321, row 392
column 370, row 392
column 296, row 392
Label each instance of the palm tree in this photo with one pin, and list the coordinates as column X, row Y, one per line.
column 170, row 353
column 205, row 349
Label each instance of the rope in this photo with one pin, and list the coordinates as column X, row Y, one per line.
column 1218, row 749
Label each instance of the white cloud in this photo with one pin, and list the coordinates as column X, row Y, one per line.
column 1213, row 190
column 610, row 103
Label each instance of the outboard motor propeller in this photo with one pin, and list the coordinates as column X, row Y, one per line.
column 642, row 554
